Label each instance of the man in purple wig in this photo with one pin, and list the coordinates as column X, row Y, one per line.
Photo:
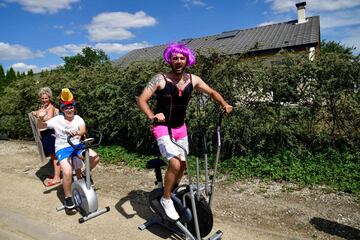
column 173, row 91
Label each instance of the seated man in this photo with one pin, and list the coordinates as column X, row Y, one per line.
column 64, row 124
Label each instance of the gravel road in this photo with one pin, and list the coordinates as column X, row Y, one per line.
column 244, row 210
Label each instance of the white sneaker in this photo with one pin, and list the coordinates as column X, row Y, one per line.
column 169, row 208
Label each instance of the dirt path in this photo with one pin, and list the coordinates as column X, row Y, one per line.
column 243, row 210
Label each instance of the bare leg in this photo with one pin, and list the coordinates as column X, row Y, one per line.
column 67, row 176
column 173, row 175
column 181, row 172
column 94, row 159
column 56, row 168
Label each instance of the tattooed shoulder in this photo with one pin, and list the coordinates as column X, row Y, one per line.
column 154, row 81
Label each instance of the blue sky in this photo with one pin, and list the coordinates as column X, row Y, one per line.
column 35, row 34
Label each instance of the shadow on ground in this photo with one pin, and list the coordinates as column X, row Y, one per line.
column 47, row 170
column 335, row 228
column 138, row 200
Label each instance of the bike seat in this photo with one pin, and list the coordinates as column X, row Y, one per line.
column 155, row 163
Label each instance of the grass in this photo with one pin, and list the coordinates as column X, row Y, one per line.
column 337, row 171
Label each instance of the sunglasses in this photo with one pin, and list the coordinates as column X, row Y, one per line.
column 68, row 107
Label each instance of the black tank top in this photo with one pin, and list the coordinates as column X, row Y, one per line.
column 172, row 102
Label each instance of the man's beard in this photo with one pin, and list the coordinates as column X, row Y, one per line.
column 177, row 71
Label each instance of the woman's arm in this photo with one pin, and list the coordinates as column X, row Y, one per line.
column 50, row 112
column 41, row 119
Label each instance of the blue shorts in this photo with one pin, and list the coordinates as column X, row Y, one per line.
column 68, row 152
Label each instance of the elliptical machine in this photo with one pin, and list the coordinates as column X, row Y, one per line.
column 83, row 194
column 192, row 201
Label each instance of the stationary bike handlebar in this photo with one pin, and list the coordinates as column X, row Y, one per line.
column 86, row 142
column 220, row 117
column 202, row 135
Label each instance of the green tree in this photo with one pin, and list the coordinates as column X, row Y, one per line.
column 86, row 58
column 2, row 77
column 30, row 73
column 18, row 75
column 336, row 47
column 2, row 73
column 10, row 76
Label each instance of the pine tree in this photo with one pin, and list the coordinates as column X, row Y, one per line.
column 10, row 76
column 18, row 75
column 30, row 73
column 2, row 77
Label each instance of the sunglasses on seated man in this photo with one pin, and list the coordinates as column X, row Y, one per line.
column 70, row 107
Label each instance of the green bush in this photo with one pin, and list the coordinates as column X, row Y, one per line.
column 283, row 110
column 291, row 104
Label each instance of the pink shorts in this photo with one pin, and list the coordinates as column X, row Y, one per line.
column 167, row 148
column 177, row 133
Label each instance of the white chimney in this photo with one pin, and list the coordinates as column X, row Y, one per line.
column 301, row 12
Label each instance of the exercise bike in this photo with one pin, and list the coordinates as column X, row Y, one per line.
column 83, row 194
column 192, row 201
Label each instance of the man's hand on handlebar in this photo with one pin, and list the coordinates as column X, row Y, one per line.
column 72, row 133
column 227, row 108
column 159, row 117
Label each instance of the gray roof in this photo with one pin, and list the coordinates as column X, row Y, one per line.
column 262, row 39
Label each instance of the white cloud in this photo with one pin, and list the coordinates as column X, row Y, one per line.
column 115, row 25
column 333, row 13
column 69, row 32
column 188, row 3
column 281, row 5
column 350, row 37
column 58, row 27
column 332, row 5
column 315, row 5
column 22, row 67
column 120, row 48
column 49, row 67
column 17, row 52
column 197, row 3
column 340, row 19
column 68, row 49
column 72, row 49
column 49, row 6
column 268, row 23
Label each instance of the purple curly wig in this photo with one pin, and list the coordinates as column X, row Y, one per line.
column 180, row 48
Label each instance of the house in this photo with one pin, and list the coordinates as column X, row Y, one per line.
column 302, row 34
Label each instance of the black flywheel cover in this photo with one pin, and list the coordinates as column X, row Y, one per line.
column 204, row 213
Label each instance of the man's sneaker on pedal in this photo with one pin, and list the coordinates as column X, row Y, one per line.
column 169, row 208
column 69, row 204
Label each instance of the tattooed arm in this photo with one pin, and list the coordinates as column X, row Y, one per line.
column 157, row 82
